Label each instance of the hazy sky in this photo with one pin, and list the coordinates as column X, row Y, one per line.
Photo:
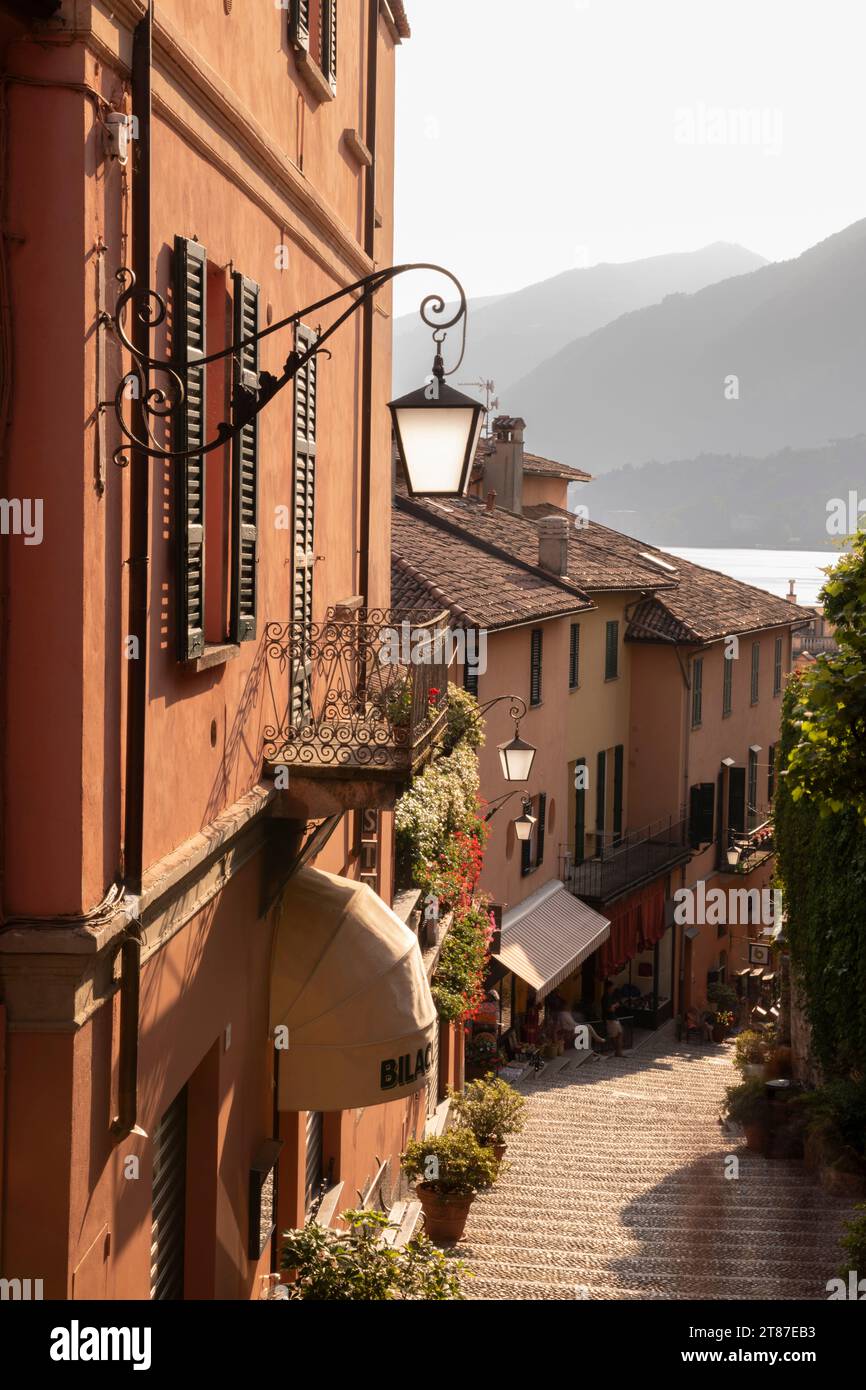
column 539, row 135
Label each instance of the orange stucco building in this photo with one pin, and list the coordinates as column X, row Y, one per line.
column 146, row 840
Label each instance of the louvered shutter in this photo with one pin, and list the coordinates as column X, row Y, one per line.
column 329, row 41
column 611, row 651
column 539, row 829
column 574, row 657
column 304, row 527
column 190, row 312
column 535, row 666
column 579, row 817
column 299, row 23
column 702, row 801
column 600, row 809
column 737, row 799
column 245, row 467
column 618, row 769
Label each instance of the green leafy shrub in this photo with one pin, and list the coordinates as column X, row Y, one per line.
column 453, row 1163
column 839, row 1110
column 490, row 1108
column 854, row 1242
column 724, row 997
column 457, row 985
column 746, row 1103
column 339, row 1266
column 465, row 723
column 438, row 804
column 750, row 1049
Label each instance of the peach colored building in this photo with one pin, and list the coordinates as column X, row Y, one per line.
column 147, row 842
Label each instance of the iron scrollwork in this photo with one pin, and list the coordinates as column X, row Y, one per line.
column 161, row 402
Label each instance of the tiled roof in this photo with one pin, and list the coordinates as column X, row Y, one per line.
column 701, row 606
column 398, row 9
column 599, row 560
column 479, row 587
column 540, row 467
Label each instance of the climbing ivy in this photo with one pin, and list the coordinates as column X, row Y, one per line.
column 820, row 819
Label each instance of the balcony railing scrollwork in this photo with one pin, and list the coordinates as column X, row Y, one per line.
column 363, row 692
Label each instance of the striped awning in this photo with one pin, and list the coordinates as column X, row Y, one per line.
column 548, row 936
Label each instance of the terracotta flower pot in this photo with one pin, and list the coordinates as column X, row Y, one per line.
column 755, row 1071
column 445, row 1213
column 720, row 1032
column 499, row 1151
column 756, row 1137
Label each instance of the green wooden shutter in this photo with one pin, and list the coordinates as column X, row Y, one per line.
column 697, row 692
column 574, row 657
column 189, row 331
column 245, row 467
column 618, row 761
column 535, row 666
column 306, row 411
column 579, row 816
column 737, row 799
column 702, row 798
column 329, row 41
column 611, row 651
column 539, row 829
column 299, row 23
column 601, row 775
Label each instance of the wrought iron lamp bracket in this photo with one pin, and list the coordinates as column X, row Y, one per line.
column 162, row 403
column 517, row 710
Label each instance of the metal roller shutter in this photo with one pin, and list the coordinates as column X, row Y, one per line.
column 169, row 1202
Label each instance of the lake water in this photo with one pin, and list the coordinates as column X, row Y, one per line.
column 767, row 569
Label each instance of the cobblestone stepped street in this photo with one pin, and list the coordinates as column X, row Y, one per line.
column 616, row 1189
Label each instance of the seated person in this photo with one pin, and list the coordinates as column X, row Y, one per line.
column 565, row 1020
column 700, row 1023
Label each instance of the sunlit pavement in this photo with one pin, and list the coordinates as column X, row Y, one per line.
column 616, row 1189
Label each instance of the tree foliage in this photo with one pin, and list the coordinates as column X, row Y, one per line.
column 355, row 1264
column 820, row 832
column 826, row 764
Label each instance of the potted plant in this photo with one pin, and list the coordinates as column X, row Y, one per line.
column 750, row 1055
column 835, row 1143
column 722, row 1024
column 492, row 1110
column 746, row 1105
column 356, row 1263
column 448, row 1171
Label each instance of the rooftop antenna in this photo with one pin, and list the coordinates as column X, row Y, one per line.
column 488, row 387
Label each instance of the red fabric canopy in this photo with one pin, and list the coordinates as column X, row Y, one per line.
column 637, row 922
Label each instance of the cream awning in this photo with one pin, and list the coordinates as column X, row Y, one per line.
column 348, row 984
column 546, row 938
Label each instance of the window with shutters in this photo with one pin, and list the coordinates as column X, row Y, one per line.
column 535, row 666
column 313, row 35
column 611, row 651
column 303, row 547
column 697, row 691
column 756, row 672
column 216, row 495
column 727, row 686
column 777, row 667
column 574, row 657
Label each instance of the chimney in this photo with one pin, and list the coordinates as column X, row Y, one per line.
column 503, row 470
column 490, row 503
column 553, row 544
column 791, row 595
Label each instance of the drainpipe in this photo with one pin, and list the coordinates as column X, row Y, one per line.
column 139, row 539
column 369, row 309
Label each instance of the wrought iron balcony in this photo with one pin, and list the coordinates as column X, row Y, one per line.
column 756, row 845
column 625, row 862
column 360, row 695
